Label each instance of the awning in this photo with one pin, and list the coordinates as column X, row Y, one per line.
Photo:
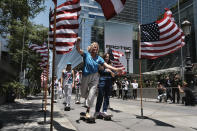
column 157, row 72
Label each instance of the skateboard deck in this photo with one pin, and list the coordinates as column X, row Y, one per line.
column 105, row 117
column 86, row 119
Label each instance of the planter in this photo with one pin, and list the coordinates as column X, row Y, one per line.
column 2, row 99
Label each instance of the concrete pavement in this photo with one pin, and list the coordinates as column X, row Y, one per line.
column 25, row 115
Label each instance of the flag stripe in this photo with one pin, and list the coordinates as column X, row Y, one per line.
column 111, row 7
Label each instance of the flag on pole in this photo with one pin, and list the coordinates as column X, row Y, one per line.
column 111, row 7
column 114, row 57
column 161, row 37
column 66, row 26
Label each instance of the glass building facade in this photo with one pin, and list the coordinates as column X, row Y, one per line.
column 149, row 10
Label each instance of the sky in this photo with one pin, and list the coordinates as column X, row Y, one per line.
column 43, row 17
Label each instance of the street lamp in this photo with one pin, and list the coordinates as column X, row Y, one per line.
column 127, row 54
column 186, row 27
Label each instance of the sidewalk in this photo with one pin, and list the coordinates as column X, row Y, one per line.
column 26, row 114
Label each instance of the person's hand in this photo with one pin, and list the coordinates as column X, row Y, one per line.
column 78, row 40
column 119, row 70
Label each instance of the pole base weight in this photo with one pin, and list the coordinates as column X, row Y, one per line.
column 142, row 117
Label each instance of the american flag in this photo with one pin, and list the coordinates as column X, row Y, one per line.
column 161, row 37
column 111, row 7
column 66, row 26
column 114, row 57
column 43, row 51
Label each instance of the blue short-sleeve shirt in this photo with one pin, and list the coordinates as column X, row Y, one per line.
column 91, row 64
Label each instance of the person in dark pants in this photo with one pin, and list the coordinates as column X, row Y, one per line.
column 175, row 91
column 189, row 98
column 135, row 86
column 104, row 87
column 168, row 86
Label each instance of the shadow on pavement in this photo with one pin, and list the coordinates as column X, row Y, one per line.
column 114, row 110
column 160, row 123
column 59, row 127
column 20, row 113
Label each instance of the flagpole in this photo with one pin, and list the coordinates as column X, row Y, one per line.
column 46, row 84
column 140, row 72
column 182, row 70
column 53, row 65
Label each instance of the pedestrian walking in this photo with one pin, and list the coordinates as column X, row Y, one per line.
column 135, row 86
column 67, row 84
column 77, row 86
column 104, row 87
column 90, row 76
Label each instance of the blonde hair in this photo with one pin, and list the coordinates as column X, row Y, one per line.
column 90, row 47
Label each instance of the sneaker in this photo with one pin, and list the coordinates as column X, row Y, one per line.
column 106, row 114
column 77, row 102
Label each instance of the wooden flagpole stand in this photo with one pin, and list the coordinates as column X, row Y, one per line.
column 53, row 67
column 140, row 71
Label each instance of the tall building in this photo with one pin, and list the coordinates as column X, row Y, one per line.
column 129, row 14
column 149, row 10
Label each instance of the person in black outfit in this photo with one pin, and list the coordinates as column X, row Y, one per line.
column 175, row 91
column 168, row 86
column 189, row 98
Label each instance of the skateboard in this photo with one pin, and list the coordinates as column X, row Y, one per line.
column 66, row 108
column 84, row 118
column 105, row 117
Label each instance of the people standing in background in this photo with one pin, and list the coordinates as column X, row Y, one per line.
column 77, row 86
column 68, row 77
column 59, row 89
column 135, row 86
column 161, row 92
column 168, row 85
column 125, row 84
column 56, row 85
column 175, row 91
column 115, row 87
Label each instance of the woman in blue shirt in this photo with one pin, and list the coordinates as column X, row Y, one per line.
column 90, row 76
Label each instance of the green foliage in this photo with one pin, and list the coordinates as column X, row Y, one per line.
column 13, row 87
column 18, row 10
column 16, row 26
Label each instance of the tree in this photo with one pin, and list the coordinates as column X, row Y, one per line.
column 18, row 10
column 15, row 23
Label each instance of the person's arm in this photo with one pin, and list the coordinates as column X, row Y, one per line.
column 112, row 68
column 80, row 51
column 111, row 72
column 180, row 89
column 73, row 84
column 61, row 80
